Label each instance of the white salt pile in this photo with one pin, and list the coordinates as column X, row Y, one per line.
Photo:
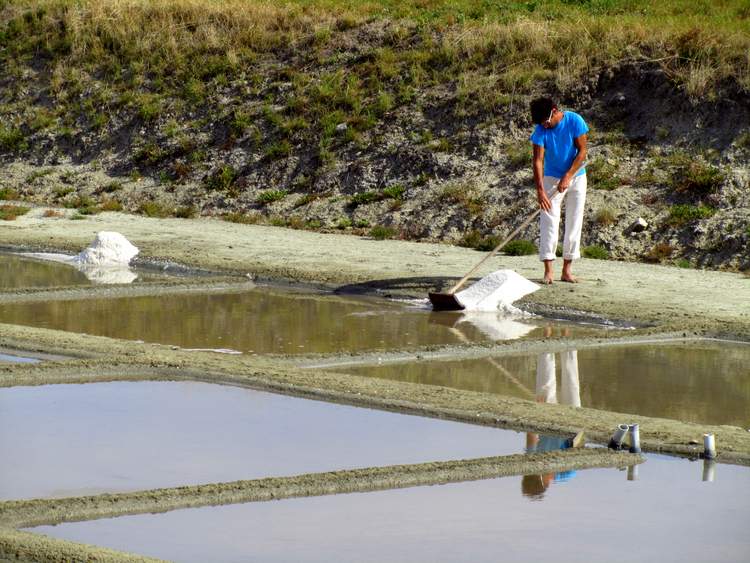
column 108, row 249
column 495, row 292
column 105, row 260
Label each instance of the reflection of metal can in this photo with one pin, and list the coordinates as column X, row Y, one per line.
column 632, row 472
column 615, row 442
column 709, row 470
column 635, row 439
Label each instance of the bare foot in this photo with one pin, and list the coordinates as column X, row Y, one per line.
column 547, row 280
column 570, row 278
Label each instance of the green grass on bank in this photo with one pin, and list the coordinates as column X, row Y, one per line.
column 296, row 70
column 174, row 46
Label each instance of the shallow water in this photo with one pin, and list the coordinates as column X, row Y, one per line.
column 25, row 271
column 13, row 359
column 702, row 382
column 69, row 440
column 668, row 514
column 270, row 320
column 17, row 272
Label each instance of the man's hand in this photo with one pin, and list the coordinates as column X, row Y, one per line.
column 544, row 202
column 564, row 183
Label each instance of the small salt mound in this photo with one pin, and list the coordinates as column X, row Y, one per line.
column 496, row 291
column 108, row 249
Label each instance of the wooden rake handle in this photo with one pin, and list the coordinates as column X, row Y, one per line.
column 507, row 239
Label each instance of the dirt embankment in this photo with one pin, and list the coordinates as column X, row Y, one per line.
column 360, row 124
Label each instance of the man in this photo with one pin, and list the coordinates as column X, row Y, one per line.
column 559, row 142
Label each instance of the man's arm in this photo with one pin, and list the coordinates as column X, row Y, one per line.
column 578, row 161
column 538, row 166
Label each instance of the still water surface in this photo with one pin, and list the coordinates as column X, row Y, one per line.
column 702, row 382
column 667, row 514
column 269, row 320
column 18, row 272
column 68, row 440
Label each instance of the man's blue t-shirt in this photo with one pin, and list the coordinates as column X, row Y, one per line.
column 559, row 149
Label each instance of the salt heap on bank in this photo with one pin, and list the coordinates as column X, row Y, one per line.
column 496, row 292
column 109, row 249
column 106, row 260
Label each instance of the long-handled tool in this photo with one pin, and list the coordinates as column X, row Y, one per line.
column 447, row 301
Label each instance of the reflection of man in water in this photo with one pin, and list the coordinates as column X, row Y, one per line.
column 546, row 392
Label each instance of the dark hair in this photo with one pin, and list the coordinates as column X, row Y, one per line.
column 533, row 486
column 540, row 109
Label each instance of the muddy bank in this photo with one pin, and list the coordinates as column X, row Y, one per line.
column 35, row 548
column 673, row 299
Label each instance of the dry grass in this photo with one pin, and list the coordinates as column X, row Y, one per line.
column 160, row 35
column 659, row 253
column 11, row 212
column 327, row 62
column 605, row 217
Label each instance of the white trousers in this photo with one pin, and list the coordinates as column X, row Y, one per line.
column 549, row 221
column 546, row 384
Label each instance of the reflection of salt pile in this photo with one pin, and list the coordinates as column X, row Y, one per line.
column 497, row 327
column 497, row 291
column 108, row 274
column 106, row 259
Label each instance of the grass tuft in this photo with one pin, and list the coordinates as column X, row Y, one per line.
column 596, row 252
column 395, row 191
column 698, row 179
column 659, row 253
column 464, row 195
column 11, row 212
column 110, row 205
column 520, row 248
column 269, row 196
column 154, row 209
column 605, row 217
column 602, row 175
column 223, row 179
column 682, row 214
column 379, row 232
column 519, row 154
column 363, row 198
column 12, row 139
column 8, row 193
column 243, row 218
